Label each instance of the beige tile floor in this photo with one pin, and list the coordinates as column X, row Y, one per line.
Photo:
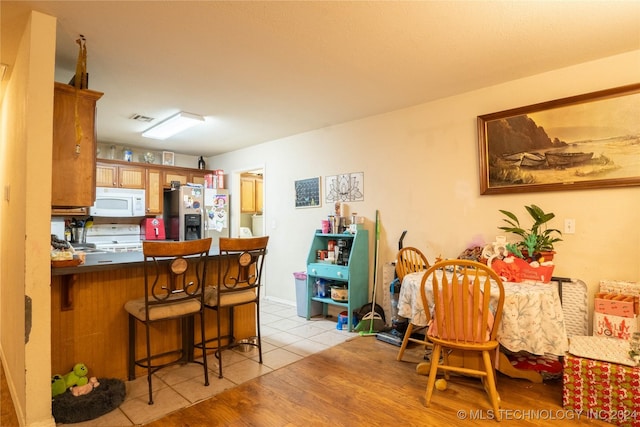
column 286, row 338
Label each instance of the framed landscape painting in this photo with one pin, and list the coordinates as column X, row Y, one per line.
column 581, row 142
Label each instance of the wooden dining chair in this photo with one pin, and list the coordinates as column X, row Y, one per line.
column 468, row 298
column 174, row 277
column 411, row 260
column 239, row 278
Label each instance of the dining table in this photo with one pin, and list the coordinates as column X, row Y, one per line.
column 532, row 319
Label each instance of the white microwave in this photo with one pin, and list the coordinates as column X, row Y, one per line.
column 118, row 202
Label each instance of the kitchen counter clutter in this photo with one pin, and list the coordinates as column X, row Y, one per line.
column 101, row 261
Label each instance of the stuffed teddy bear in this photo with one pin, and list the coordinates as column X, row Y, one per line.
column 78, row 376
column 79, row 390
column 58, row 385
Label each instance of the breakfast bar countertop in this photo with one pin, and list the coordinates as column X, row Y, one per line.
column 108, row 261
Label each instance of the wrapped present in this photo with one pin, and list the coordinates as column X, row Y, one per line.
column 610, row 325
column 620, row 287
column 602, row 390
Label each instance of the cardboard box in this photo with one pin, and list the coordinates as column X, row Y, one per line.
column 622, row 288
column 616, row 304
column 601, row 390
column 610, row 325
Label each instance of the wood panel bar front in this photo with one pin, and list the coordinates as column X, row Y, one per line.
column 95, row 330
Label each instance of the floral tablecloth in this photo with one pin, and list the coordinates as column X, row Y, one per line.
column 532, row 317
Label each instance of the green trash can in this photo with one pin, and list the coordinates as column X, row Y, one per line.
column 302, row 297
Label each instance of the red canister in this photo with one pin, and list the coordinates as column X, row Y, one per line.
column 331, row 244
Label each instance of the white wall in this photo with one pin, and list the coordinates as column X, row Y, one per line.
column 25, row 270
column 421, row 171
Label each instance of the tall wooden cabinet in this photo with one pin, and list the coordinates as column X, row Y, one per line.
column 73, row 182
column 354, row 275
column 153, row 193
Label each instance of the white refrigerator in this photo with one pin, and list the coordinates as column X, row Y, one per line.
column 216, row 214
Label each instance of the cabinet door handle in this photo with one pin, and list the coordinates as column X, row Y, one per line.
column 339, row 273
column 314, row 271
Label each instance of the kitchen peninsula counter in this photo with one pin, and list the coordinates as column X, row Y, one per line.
column 89, row 323
column 110, row 260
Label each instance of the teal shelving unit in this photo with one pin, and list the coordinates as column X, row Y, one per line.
column 355, row 274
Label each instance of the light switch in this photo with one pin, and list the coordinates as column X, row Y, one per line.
column 569, row 226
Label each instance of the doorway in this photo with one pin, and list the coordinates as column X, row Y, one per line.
column 248, row 209
column 251, row 220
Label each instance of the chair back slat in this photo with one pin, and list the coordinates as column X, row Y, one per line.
column 410, row 260
column 465, row 309
column 242, row 262
column 174, row 271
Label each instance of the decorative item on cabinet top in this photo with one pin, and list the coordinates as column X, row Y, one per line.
column 108, row 152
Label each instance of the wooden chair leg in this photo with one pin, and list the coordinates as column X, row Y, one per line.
column 433, row 372
column 491, row 384
column 405, row 341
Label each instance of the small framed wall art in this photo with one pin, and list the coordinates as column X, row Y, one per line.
column 167, row 158
column 346, row 187
column 308, row 193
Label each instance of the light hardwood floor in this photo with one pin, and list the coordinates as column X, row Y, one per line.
column 8, row 417
column 360, row 383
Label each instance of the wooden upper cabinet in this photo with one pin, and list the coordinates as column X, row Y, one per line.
column 106, row 175
column 131, row 177
column 154, row 192
column 152, row 178
column 197, row 177
column 73, row 181
column 123, row 176
column 250, row 193
column 181, row 176
column 247, row 194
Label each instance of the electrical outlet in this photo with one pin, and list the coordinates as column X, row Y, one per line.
column 569, row 226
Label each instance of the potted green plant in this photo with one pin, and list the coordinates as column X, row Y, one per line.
column 538, row 240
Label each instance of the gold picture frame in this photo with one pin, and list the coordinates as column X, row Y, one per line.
column 581, row 142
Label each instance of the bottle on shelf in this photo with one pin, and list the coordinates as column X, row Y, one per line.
column 200, row 163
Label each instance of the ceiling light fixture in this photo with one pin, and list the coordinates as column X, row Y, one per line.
column 173, row 125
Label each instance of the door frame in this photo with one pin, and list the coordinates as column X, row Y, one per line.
column 234, row 189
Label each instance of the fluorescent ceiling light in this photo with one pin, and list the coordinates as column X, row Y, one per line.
column 173, row 125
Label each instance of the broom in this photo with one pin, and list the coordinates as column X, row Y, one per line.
column 372, row 316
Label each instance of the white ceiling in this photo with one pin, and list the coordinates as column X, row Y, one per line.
column 261, row 70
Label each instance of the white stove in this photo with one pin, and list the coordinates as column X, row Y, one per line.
column 115, row 237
